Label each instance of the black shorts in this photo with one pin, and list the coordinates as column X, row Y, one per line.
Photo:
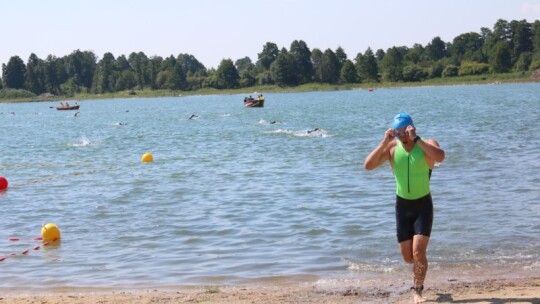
column 413, row 217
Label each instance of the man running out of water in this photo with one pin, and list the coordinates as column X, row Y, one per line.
column 411, row 159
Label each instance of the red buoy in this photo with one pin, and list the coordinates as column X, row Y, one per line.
column 3, row 183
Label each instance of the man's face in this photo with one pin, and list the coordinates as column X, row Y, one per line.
column 402, row 135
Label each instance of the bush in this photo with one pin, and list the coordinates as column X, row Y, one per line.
column 450, row 71
column 523, row 62
column 436, row 70
column 414, row 72
column 534, row 65
column 16, row 93
column 473, row 68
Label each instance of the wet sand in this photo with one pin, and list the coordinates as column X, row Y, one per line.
column 523, row 290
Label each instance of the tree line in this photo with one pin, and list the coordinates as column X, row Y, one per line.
column 509, row 46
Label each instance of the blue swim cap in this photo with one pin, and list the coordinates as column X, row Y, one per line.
column 402, row 120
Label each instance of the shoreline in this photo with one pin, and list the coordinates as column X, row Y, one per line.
column 312, row 87
column 500, row 290
column 502, row 284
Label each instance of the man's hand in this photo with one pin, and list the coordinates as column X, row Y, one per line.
column 411, row 131
column 389, row 135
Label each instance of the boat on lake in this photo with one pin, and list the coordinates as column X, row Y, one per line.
column 66, row 106
column 251, row 102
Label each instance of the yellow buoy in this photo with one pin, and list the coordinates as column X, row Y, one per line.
column 147, row 157
column 50, row 232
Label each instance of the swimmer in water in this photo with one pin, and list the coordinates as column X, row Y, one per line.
column 193, row 116
column 414, row 205
column 314, row 130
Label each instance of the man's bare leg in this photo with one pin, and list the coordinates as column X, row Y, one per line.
column 420, row 265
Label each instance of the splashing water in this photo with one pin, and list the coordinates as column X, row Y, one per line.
column 83, row 142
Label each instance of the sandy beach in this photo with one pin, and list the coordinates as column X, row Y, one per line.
column 524, row 290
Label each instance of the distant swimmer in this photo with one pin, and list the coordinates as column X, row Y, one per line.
column 314, row 130
column 77, row 114
column 274, row 122
column 193, row 116
column 122, row 123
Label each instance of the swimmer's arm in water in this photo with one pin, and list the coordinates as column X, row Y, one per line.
column 381, row 153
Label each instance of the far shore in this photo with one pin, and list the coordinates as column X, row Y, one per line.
column 312, row 87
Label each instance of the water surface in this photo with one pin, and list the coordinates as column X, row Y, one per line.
column 248, row 194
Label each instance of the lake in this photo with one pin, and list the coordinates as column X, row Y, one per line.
column 246, row 195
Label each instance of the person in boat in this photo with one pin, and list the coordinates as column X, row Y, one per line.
column 62, row 105
column 414, row 205
column 67, row 105
column 76, row 104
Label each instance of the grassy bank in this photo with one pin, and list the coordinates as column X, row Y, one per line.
column 311, row 87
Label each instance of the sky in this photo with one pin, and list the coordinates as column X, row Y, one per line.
column 213, row 30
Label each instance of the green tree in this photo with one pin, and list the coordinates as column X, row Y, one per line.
column 152, row 70
column 268, row 55
column 189, row 64
column 126, row 81
column 227, row 75
column 467, row 46
column 341, row 56
column 348, row 72
column 380, row 55
column 302, row 59
column 329, row 67
column 14, row 73
column 53, row 72
column 436, row 49
column 122, row 64
column 168, row 63
column 366, row 66
column 500, row 58
column 521, row 38
column 316, row 58
column 392, row 65
column 34, row 75
column 177, row 78
column 282, row 69
column 502, row 31
column 416, row 54
column 80, row 67
column 138, row 63
column 244, row 64
column 104, row 79
column 536, row 36
column 247, row 78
